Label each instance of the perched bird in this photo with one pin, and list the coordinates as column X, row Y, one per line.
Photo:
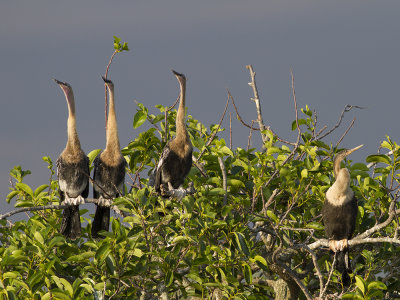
column 176, row 158
column 339, row 214
column 72, row 172
column 109, row 170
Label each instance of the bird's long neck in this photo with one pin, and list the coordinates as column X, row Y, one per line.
column 73, row 143
column 340, row 192
column 112, row 140
column 342, row 183
column 336, row 164
column 181, row 132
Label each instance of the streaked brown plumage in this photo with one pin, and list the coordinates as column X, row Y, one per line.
column 72, row 172
column 176, row 158
column 109, row 170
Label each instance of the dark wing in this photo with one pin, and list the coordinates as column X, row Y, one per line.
column 96, row 166
column 353, row 211
column 85, row 192
column 58, row 164
column 160, row 165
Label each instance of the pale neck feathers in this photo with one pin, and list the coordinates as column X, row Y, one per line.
column 340, row 192
column 72, row 152
column 112, row 154
column 181, row 132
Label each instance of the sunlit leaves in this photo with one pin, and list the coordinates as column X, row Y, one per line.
column 216, row 240
column 140, row 116
column 118, row 46
column 376, row 158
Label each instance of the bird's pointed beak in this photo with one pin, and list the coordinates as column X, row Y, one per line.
column 60, row 82
column 107, row 81
column 180, row 76
column 354, row 149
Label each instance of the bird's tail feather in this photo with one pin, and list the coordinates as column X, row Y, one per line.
column 71, row 222
column 343, row 266
column 101, row 220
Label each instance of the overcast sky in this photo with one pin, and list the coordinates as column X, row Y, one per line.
column 341, row 52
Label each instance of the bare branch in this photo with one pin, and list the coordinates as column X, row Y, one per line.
column 250, row 134
column 211, row 138
column 180, row 193
column 230, row 130
column 166, row 120
column 224, row 180
column 54, row 206
column 321, row 294
column 105, row 87
column 345, row 133
column 295, row 107
column 295, row 277
column 275, row 193
column 199, row 166
column 392, row 214
column 256, row 100
column 347, row 108
column 257, row 129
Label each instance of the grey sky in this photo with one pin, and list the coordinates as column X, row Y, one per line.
column 342, row 52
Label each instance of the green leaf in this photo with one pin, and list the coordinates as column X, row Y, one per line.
column 360, row 166
column 352, row 296
column 360, row 283
column 11, row 275
column 386, row 145
column 102, row 252
column 11, row 195
column 376, row 295
column 235, row 183
column 92, row 155
column 24, row 187
column 261, row 260
column 301, row 122
column 139, row 119
column 376, row 285
column 247, row 273
column 169, row 277
column 99, row 286
column 40, row 189
column 315, row 225
column 38, row 237
column 67, row 286
column 379, row 158
column 241, row 243
column 272, row 216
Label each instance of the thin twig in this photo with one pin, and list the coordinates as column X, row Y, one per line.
column 249, row 139
column 166, row 119
column 211, row 138
column 295, row 106
column 321, row 294
column 257, row 129
column 347, row 108
column 230, row 130
column 54, row 206
column 105, row 86
column 224, row 180
column 345, row 133
column 256, row 100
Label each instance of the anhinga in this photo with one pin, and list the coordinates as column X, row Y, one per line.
column 109, row 170
column 72, row 172
column 339, row 214
column 176, row 158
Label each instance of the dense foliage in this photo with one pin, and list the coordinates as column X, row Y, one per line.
column 223, row 243
column 251, row 230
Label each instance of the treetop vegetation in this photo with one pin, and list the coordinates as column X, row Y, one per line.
column 249, row 227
